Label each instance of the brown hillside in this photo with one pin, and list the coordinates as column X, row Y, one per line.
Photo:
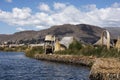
column 84, row 32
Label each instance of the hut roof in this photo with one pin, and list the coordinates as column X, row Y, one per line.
column 49, row 38
column 99, row 42
column 66, row 41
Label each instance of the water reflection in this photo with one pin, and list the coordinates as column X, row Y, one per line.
column 15, row 66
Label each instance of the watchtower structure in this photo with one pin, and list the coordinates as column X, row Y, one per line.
column 49, row 44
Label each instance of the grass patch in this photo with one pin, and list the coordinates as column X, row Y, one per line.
column 12, row 49
column 76, row 48
column 30, row 52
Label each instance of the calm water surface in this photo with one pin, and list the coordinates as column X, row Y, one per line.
column 15, row 66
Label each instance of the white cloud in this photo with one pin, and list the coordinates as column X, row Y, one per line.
column 43, row 7
column 40, row 27
column 16, row 17
column 59, row 5
column 9, row 1
column 90, row 7
column 116, row 4
column 20, row 29
column 104, row 17
column 21, row 13
column 70, row 14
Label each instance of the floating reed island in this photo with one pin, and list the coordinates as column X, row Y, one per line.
column 102, row 68
column 105, row 69
column 72, row 59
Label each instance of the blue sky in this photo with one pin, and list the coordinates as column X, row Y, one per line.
column 20, row 15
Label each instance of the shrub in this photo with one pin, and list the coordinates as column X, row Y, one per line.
column 75, row 45
column 30, row 52
column 1, row 48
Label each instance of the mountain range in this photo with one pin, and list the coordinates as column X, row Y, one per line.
column 82, row 32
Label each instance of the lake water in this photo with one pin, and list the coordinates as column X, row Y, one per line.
column 15, row 66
